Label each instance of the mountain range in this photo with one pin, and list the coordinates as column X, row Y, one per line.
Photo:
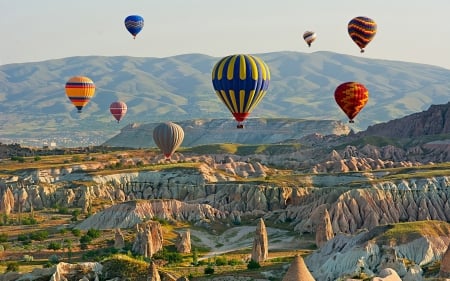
column 36, row 109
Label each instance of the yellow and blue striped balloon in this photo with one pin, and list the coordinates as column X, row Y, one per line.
column 241, row 82
column 80, row 90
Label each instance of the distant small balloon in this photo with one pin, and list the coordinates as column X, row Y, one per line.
column 309, row 37
column 134, row 24
column 118, row 109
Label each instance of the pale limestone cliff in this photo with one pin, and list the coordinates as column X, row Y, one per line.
column 345, row 254
column 128, row 214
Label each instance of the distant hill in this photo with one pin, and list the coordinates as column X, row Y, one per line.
column 34, row 104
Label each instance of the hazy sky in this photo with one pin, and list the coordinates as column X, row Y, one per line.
column 36, row 30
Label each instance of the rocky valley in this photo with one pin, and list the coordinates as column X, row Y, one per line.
column 339, row 205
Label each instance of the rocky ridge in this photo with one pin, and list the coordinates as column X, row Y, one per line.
column 210, row 131
column 369, row 252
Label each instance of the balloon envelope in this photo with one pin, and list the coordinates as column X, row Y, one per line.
column 362, row 30
column 241, row 82
column 134, row 24
column 80, row 90
column 351, row 98
column 309, row 37
column 168, row 137
column 118, row 109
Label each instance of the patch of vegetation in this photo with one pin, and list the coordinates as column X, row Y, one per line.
column 407, row 231
column 125, row 268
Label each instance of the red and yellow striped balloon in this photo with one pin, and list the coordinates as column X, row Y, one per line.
column 80, row 90
column 351, row 98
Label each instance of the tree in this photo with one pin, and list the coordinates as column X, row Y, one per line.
column 12, row 267
column 209, row 270
column 195, row 257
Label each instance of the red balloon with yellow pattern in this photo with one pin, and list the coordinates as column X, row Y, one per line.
column 351, row 98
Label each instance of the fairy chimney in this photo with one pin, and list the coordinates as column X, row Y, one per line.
column 260, row 250
column 183, row 242
column 298, row 271
column 153, row 274
column 445, row 264
column 6, row 200
column 149, row 239
column 119, row 241
column 324, row 229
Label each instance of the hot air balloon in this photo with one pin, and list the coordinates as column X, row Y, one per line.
column 351, row 98
column 362, row 30
column 118, row 109
column 240, row 82
column 168, row 137
column 134, row 24
column 309, row 37
column 80, row 90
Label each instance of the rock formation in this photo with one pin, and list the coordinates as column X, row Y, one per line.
column 128, row 214
column 260, row 250
column 324, row 230
column 346, row 254
column 6, row 200
column 387, row 274
column 153, row 274
column 298, row 271
column 61, row 272
column 119, row 241
column 149, row 239
column 183, row 242
column 445, row 264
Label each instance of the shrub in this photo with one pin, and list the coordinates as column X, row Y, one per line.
column 220, row 261
column 3, row 237
column 39, row 235
column 93, row 233
column 12, row 267
column 76, row 232
column 85, row 239
column 54, row 246
column 28, row 258
column 209, row 270
column 253, row 265
column 54, row 259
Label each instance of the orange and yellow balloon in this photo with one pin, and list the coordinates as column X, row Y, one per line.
column 80, row 90
column 351, row 98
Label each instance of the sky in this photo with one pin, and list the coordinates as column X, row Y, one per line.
column 38, row 30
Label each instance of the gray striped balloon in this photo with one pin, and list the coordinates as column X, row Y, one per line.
column 168, row 137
